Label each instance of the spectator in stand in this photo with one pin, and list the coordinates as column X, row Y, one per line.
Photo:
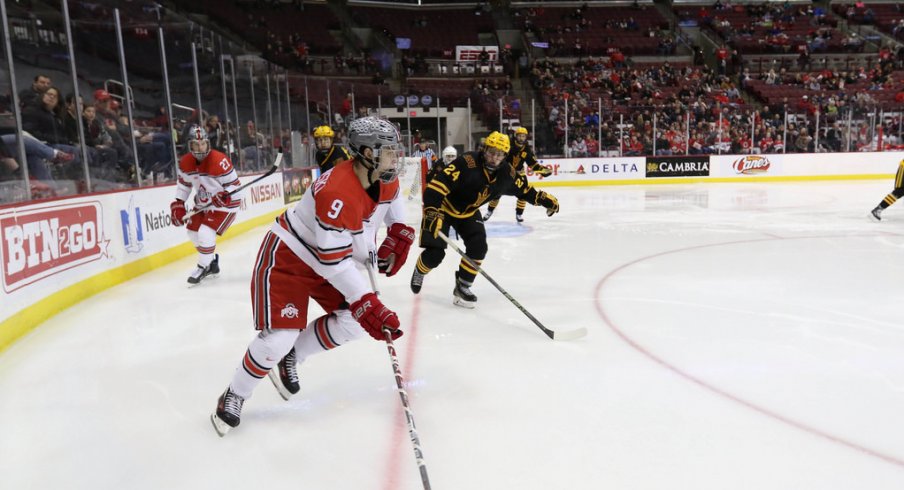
column 578, row 148
column 43, row 122
column 37, row 156
column 99, row 139
column 254, row 147
column 216, row 133
column 32, row 96
column 593, row 146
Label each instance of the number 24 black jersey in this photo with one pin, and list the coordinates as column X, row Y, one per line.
column 461, row 187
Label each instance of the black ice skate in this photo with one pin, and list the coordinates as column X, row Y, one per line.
column 198, row 275
column 285, row 375
column 462, row 295
column 519, row 218
column 215, row 265
column 488, row 214
column 876, row 213
column 417, row 280
column 229, row 412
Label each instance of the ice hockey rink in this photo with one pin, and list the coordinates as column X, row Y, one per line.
column 741, row 336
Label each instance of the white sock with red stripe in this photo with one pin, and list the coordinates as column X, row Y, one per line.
column 205, row 241
column 263, row 353
column 327, row 332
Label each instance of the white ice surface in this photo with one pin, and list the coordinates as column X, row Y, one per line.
column 741, row 336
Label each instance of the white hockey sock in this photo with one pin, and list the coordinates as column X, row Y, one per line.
column 205, row 240
column 263, row 353
column 327, row 332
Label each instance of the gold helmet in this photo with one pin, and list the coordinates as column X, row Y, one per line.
column 498, row 141
column 520, row 130
column 324, row 132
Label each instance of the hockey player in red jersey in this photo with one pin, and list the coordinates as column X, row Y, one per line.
column 310, row 253
column 210, row 175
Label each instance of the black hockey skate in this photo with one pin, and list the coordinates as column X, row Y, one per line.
column 462, row 295
column 417, row 280
column 215, row 265
column 487, row 215
column 876, row 213
column 285, row 375
column 519, row 218
column 229, row 412
column 198, row 275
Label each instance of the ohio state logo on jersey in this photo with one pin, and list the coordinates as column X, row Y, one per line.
column 289, row 311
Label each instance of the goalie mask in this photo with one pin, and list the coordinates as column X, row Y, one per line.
column 198, row 144
column 449, row 154
column 382, row 138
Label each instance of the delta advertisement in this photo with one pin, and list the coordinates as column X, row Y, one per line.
column 591, row 169
column 46, row 247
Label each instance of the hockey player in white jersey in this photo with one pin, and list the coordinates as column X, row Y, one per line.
column 210, row 175
column 310, row 253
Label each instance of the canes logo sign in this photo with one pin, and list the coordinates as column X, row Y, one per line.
column 38, row 243
column 751, row 165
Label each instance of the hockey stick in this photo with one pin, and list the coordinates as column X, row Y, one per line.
column 270, row 172
column 403, row 395
column 555, row 335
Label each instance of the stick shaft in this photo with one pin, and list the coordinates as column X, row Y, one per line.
column 400, row 386
column 270, row 172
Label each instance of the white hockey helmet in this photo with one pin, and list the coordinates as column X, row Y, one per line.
column 449, row 154
column 198, row 144
column 382, row 137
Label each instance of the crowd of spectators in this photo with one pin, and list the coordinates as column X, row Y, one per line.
column 665, row 109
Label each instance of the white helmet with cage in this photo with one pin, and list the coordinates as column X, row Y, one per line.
column 382, row 138
column 198, row 144
column 449, row 154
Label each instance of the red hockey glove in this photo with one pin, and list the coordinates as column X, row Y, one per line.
column 393, row 251
column 177, row 212
column 373, row 316
column 549, row 202
column 221, row 199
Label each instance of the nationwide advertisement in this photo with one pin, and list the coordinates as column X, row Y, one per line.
column 678, row 166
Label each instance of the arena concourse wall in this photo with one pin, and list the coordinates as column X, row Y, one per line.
column 59, row 252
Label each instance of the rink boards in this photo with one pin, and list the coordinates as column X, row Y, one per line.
column 59, row 252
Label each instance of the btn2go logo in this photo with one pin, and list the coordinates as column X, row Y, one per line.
column 40, row 242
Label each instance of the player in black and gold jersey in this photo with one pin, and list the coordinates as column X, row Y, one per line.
column 453, row 199
column 328, row 154
column 520, row 155
column 893, row 196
